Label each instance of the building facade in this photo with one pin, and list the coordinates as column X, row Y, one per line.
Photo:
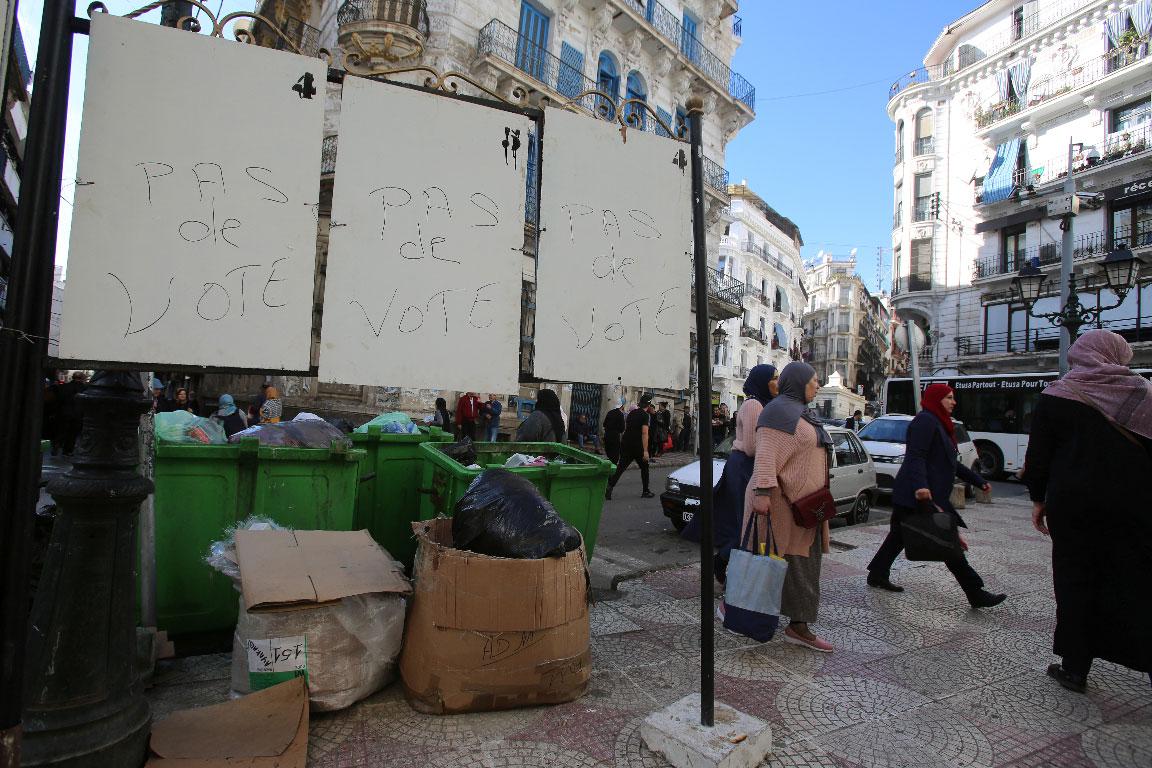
column 982, row 142
column 659, row 51
column 14, row 130
column 847, row 330
column 761, row 249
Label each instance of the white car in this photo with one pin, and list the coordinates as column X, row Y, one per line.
column 852, row 482
column 886, row 438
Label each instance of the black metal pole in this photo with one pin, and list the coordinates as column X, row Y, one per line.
column 704, row 383
column 23, row 349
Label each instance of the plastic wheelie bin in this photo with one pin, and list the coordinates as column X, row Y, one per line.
column 575, row 488
column 388, row 501
column 201, row 490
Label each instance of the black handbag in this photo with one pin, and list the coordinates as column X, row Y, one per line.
column 930, row 534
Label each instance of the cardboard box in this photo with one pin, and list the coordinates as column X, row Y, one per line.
column 327, row 606
column 487, row 633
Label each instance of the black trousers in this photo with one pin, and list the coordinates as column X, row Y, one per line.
column 893, row 545
column 612, row 447
column 629, row 454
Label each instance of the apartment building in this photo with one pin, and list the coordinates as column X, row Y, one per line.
column 761, row 249
column 982, row 141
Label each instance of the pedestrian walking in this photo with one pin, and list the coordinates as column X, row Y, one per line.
column 634, row 446
column 728, row 500
column 791, row 462
column 467, row 412
column 490, row 412
column 719, row 426
column 930, row 468
column 229, row 416
column 442, row 418
column 685, row 441
column 663, row 422
column 545, row 424
column 272, row 409
column 614, row 423
column 1089, row 449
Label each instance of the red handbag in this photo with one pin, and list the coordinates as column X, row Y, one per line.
column 817, row 507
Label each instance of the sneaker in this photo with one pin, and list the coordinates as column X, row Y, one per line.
column 985, row 599
column 1077, row 683
column 647, row 495
column 815, row 643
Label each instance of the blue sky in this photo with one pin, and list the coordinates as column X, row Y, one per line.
column 825, row 160
column 820, row 149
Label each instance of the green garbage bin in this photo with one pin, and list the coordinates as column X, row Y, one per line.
column 576, row 488
column 203, row 489
column 389, row 498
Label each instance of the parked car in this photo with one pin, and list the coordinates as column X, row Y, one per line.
column 886, row 439
column 853, row 481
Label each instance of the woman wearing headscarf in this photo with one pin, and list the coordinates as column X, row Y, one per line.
column 442, row 418
column 1089, row 450
column 229, row 416
column 545, row 424
column 272, row 409
column 930, row 468
column 728, row 498
column 792, row 462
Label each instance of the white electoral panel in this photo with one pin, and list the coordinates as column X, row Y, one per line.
column 194, row 229
column 614, row 273
column 424, row 258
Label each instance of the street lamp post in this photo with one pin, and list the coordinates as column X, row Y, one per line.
column 1121, row 268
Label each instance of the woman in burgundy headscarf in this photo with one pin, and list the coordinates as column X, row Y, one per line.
column 1089, row 453
column 930, row 468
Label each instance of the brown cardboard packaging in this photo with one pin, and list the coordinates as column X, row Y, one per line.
column 487, row 633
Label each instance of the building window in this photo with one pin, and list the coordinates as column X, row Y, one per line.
column 1014, row 241
column 923, row 132
column 635, row 89
column 1130, row 116
column 845, row 295
column 920, row 276
column 1132, row 225
column 1018, row 23
column 923, row 192
column 899, row 141
column 841, row 348
column 608, row 81
column 532, row 42
column 898, row 261
column 898, row 206
column 689, row 45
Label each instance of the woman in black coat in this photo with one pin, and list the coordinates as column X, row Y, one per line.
column 930, row 468
column 1089, row 451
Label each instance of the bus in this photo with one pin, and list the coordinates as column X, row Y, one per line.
column 995, row 408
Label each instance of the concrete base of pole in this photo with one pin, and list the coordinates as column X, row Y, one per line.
column 736, row 741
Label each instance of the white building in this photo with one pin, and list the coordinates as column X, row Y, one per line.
column 982, row 134
column 660, row 51
column 761, row 249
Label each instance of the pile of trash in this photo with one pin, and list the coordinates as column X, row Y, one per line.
column 393, row 423
column 504, row 515
column 183, row 427
column 307, row 430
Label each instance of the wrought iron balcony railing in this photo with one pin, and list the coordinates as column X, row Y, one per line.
column 328, row 155
column 922, row 146
column 755, row 334
column 1085, row 246
column 1116, row 146
column 910, row 283
column 1063, row 82
column 722, row 287
column 737, row 26
column 410, row 13
column 899, row 156
column 922, row 211
column 303, row 36
column 672, row 29
column 768, row 258
column 716, row 176
column 898, row 217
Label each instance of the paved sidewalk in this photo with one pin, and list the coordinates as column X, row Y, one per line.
column 918, row 679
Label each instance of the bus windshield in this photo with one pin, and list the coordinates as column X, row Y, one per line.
column 886, row 431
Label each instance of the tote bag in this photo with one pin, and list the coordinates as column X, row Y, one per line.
column 930, row 534
column 754, row 587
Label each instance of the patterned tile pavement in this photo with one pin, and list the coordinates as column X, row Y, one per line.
column 918, row 680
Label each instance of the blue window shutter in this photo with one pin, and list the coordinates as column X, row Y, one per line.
column 688, row 38
column 608, row 81
column 571, row 80
column 531, row 198
column 681, row 119
column 667, row 118
column 634, row 89
column 532, row 42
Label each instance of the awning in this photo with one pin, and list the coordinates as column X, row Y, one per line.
column 781, row 336
column 1032, row 214
column 998, row 183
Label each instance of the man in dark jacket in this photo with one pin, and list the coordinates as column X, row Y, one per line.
column 634, row 446
column 613, row 429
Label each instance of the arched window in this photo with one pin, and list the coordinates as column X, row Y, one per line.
column 923, row 132
column 608, row 81
column 635, row 89
column 899, row 140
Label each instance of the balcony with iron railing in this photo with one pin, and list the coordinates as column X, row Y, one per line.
column 725, row 294
column 899, row 156
column 748, row 332
column 922, row 211
column 1117, row 146
column 1008, row 263
column 966, row 55
column 766, row 257
column 304, row 36
column 912, row 283
column 1135, row 328
column 1091, row 71
column 505, row 44
column 670, row 27
column 383, row 31
column 898, row 217
column 922, row 146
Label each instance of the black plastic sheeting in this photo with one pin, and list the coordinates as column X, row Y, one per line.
column 503, row 515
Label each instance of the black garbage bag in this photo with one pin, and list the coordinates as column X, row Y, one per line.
column 462, row 452
column 503, row 515
column 298, row 433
